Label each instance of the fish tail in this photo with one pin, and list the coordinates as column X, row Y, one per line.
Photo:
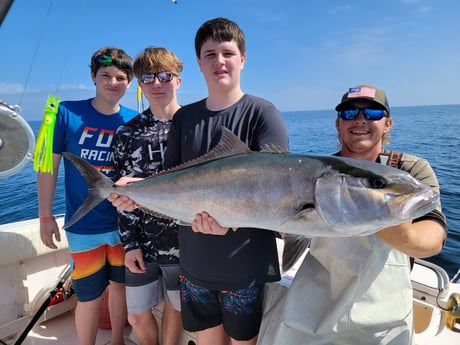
column 99, row 187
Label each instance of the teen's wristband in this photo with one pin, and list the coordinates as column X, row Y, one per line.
column 47, row 219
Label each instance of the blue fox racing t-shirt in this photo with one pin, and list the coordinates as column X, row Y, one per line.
column 83, row 131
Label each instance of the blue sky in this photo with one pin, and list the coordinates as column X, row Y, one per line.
column 301, row 55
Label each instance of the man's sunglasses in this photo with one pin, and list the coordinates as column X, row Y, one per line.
column 369, row 114
column 163, row 77
column 107, row 60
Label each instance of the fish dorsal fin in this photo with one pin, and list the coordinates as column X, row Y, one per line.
column 228, row 145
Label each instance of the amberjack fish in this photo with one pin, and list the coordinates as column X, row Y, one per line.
column 290, row 193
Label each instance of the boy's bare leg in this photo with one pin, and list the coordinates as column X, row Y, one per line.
column 87, row 321
column 171, row 325
column 117, row 311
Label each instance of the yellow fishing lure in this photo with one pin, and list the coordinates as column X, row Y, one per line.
column 43, row 155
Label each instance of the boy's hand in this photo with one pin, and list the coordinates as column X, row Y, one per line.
column 206, row 224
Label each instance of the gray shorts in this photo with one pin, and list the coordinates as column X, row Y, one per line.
column 146, row 290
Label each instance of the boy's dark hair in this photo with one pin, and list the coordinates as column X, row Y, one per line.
column 107, row 56
column 156, row 59
column 219, row 30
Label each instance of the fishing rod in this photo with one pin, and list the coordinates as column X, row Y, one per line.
column 63, row 278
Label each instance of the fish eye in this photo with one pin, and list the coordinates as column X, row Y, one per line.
column 376, row 182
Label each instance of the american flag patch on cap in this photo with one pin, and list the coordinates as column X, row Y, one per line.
column 356, row 92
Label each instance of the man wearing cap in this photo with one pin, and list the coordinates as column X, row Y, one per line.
column 357, row 290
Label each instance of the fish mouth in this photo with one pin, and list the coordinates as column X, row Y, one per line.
column 414, row 206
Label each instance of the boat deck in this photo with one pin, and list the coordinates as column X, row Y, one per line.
column 61, row 330
column 29, row 271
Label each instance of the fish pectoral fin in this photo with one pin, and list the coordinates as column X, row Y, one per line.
column 304, row 212
column 294, row 247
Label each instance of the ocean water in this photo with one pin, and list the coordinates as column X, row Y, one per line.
column 431, row 132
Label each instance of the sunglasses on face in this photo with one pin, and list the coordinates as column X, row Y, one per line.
column 369, row 114
column 163, row 77
column 107, row 60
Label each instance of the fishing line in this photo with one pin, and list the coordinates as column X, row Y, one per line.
column 69, row 50
column 35, row 52
column 45, row 21
column 43, row 154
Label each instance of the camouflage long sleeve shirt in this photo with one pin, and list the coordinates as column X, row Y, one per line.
column 139, row 148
